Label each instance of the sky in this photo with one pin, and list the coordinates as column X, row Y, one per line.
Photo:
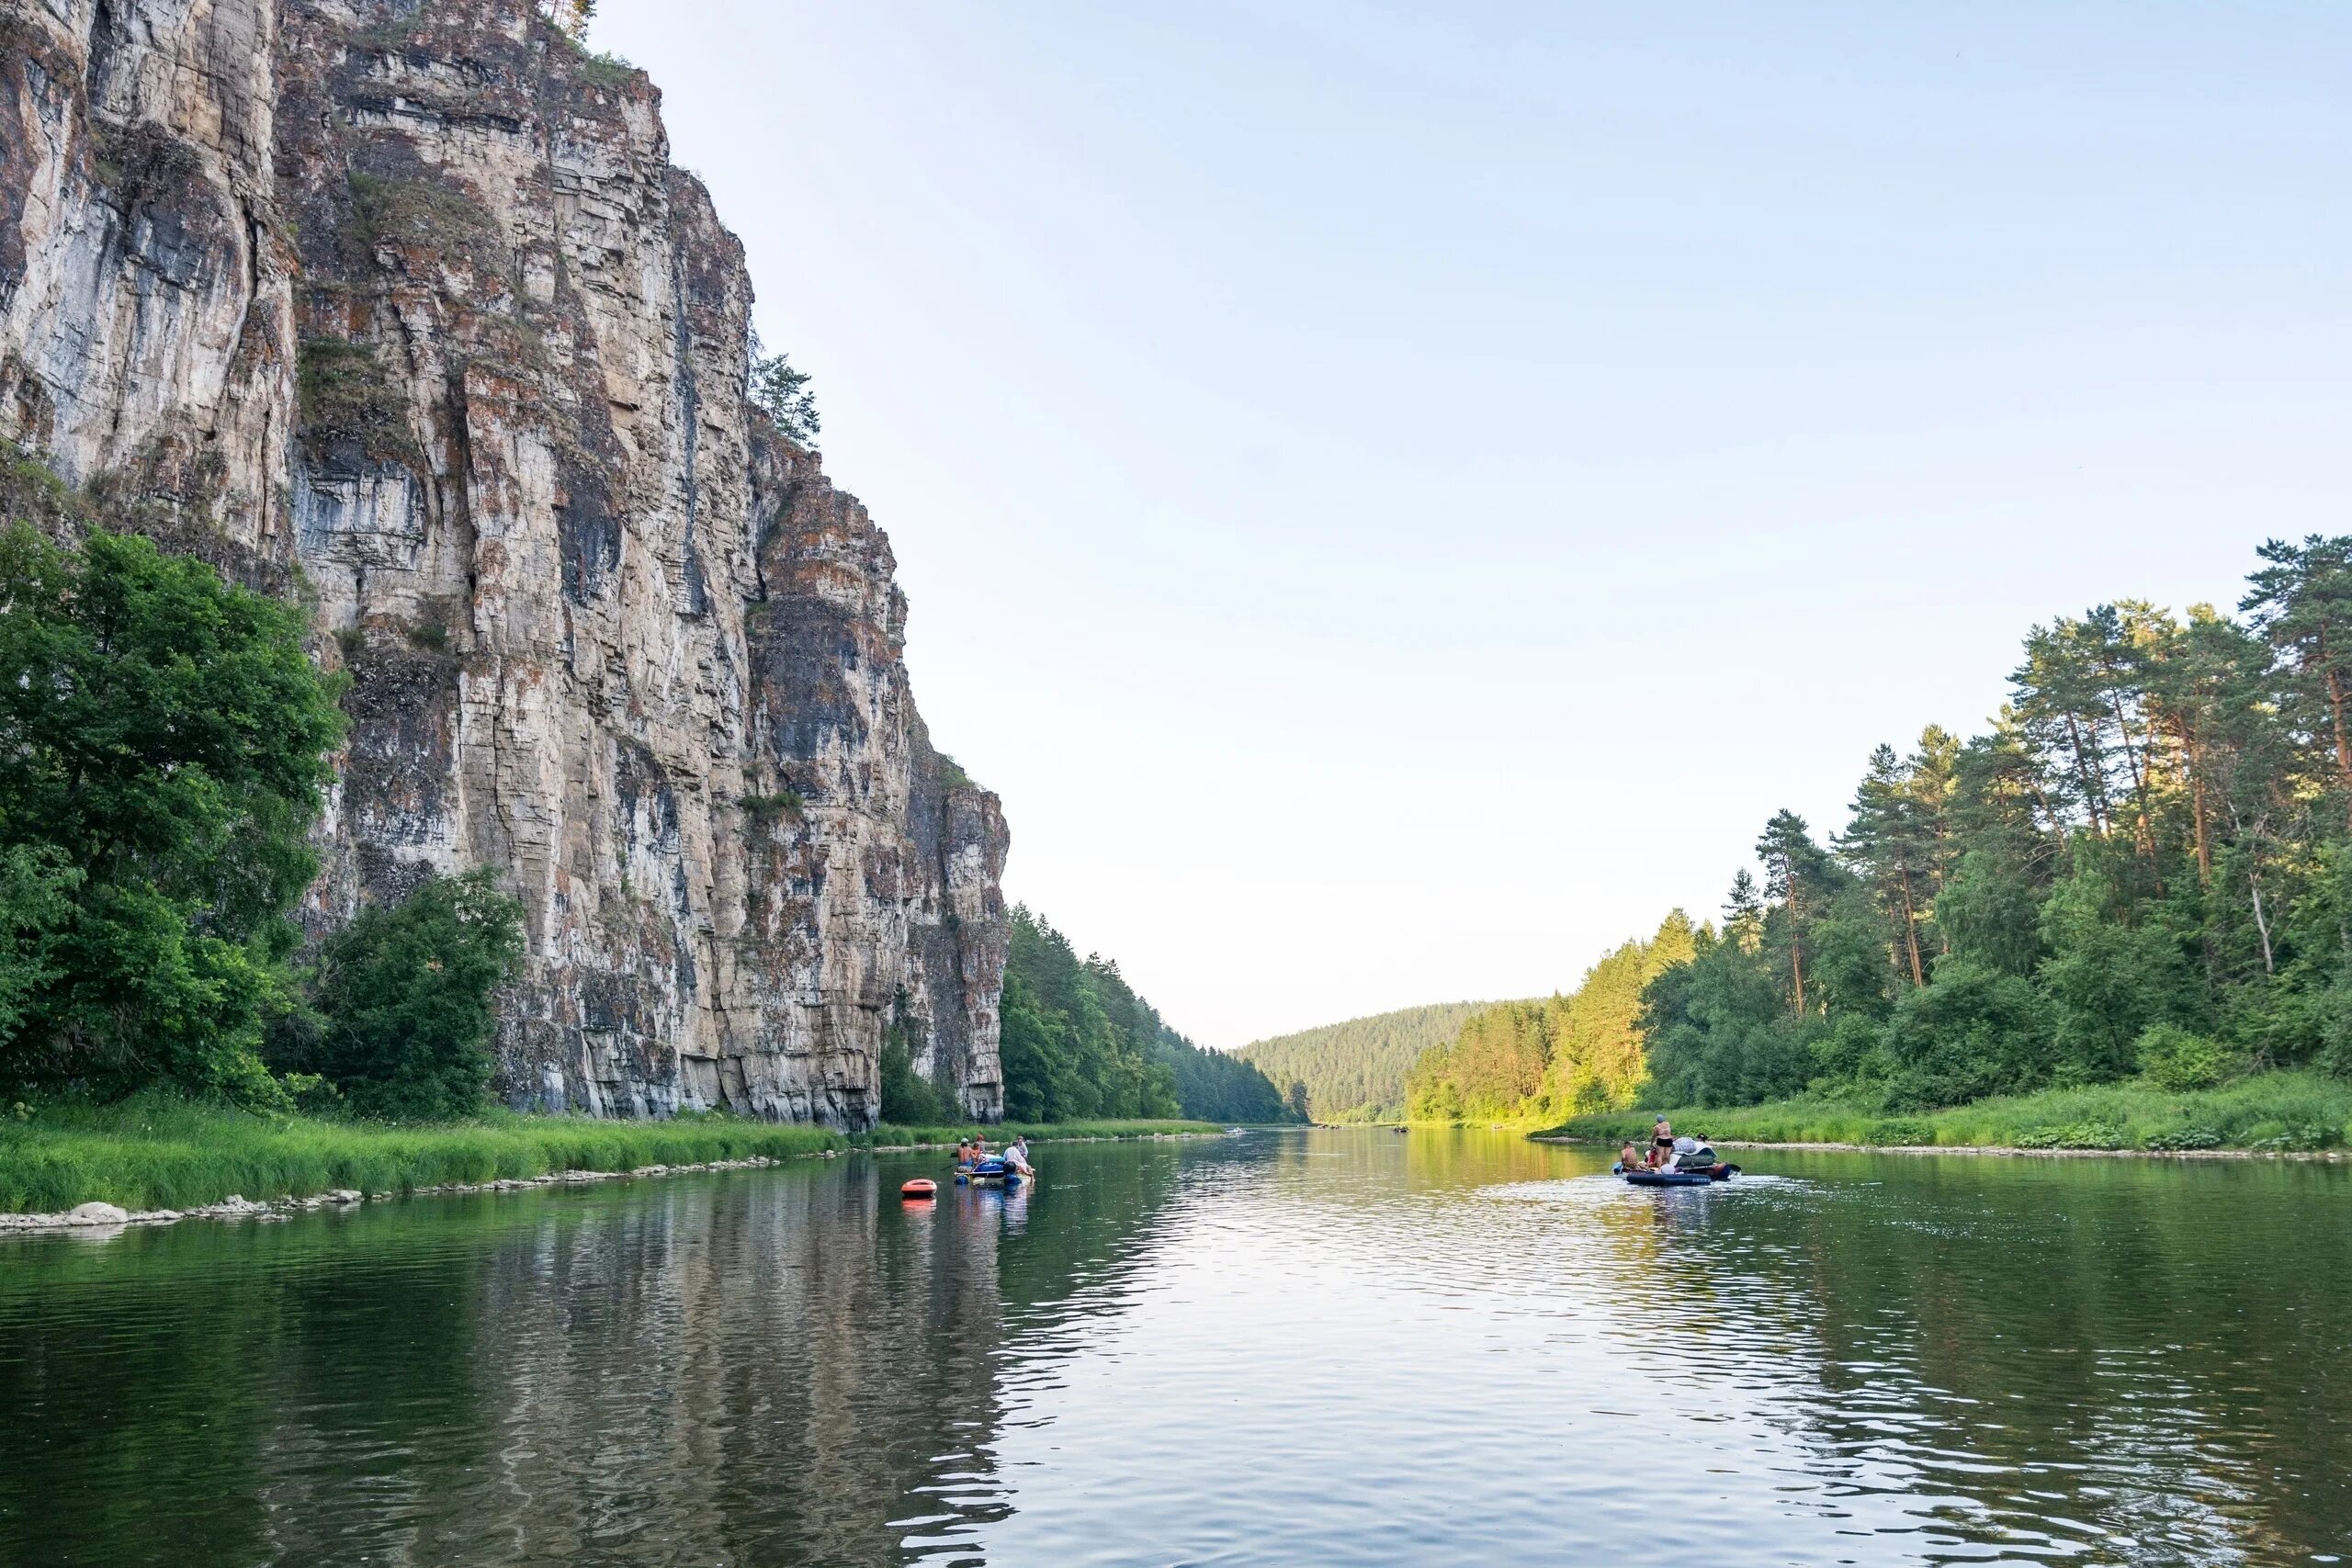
column 1394, row 495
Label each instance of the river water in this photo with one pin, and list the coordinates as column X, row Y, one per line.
column 1328, row 1347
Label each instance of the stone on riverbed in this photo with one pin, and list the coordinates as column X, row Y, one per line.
column 96, row 1213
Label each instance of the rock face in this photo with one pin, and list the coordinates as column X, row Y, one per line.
column 401, row 307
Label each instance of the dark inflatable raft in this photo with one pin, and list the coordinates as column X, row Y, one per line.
column 1680, row 1178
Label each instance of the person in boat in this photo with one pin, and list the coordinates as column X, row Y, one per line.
column 963, row 1154
column 1628, row 1156
column 1661, row 1139
column 1017, row 1156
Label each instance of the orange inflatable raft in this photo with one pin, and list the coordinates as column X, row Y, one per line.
column 921, row 1188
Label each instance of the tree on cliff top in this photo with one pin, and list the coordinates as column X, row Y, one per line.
column 571, row 16
column 782, row 393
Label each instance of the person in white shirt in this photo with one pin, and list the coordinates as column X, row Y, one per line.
column 1017, row 1156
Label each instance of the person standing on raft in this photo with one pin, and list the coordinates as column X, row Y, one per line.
column 1661, row 1140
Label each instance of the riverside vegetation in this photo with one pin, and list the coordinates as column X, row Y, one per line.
column 2120, row 917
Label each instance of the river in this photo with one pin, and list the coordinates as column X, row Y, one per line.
column 1328, row 1347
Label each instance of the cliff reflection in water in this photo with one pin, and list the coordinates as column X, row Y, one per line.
column 1334, row 1347
column 777, row 1369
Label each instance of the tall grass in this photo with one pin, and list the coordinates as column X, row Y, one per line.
column 2266, row 1111
column 156, row 1153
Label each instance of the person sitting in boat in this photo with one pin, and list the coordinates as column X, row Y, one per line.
column 1628, row 1156
column 1017, row 1156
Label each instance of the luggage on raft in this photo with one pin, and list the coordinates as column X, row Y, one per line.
column 989, row 1173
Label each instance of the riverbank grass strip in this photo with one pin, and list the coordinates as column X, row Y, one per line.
column 2267, row 1113
column 145, row 1155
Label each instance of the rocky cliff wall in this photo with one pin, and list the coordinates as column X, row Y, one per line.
column 401, row 307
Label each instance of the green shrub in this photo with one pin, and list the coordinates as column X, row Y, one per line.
column 2193, row 1136
column 1900, row 1130
column 2075, row 1135
column 405, row 1000
column 784, row 802
column 2172, row 1058
column 2291, row 1136
column 907, row 1098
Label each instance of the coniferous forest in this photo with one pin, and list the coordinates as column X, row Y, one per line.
column 1079, row 1044
column 2143, row 868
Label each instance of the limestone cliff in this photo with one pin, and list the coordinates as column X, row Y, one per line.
column 403, row 308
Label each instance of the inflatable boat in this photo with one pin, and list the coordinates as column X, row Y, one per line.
column 1667, row 1177
column 1695, row 1165
column 1680, row 1178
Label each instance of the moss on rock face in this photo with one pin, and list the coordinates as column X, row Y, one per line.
column 352, row 413
column 428, row 214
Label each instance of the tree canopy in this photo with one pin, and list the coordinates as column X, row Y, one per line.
column 2143, row 866
column 165, row 747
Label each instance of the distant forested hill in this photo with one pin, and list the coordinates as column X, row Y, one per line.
column 1078, row 1043
column 1355, row 1071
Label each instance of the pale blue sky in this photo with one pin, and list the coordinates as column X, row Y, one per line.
column 1394, row 495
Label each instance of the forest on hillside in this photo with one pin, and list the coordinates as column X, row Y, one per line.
column 1355, row 1071
column 1077, row 1043
column 1554, row 1057
column 2141, row 868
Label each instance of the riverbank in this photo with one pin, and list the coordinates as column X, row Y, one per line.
column 2285, row 1113
column 154, row 1157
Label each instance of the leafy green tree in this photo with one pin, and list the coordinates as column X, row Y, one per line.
column 406, row 999
column 2107, row 981
column 1971, row 1032
column 167, row 744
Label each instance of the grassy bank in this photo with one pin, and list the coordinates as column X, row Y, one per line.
column 2270, row 1111
column 887, row 1136
column 154, row 1154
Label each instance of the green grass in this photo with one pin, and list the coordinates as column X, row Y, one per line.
column 153, row 1152
column 1036, row 1131
column 156, row 1152
column 2268, row 1111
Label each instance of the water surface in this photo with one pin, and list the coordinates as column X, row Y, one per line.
column 1328, row 1347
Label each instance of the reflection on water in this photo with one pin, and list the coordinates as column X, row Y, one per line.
column 1333, row 1348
